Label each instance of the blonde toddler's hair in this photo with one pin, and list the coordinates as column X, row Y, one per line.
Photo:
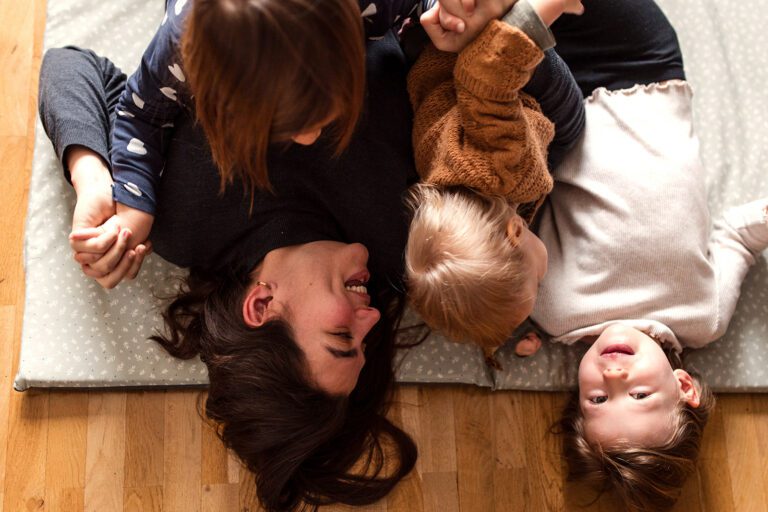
column 464, row 276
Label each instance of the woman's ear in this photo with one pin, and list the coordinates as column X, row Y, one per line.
column 256, row 306
column 689, row 392
column 514, row 230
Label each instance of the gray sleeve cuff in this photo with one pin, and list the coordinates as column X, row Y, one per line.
column 523, row 16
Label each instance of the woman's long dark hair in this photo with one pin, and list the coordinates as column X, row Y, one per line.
column 305, row 447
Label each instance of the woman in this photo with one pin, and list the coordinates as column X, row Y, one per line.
column 280, row 302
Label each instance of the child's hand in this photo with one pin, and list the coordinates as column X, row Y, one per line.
column 452, row 13
column 123, row 259
column 451, row 40
column 453, row 24
column 93, row 185
column 550, row 10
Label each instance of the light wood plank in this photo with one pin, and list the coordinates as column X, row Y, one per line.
column 744, row 463
column 143, row 499
column 13, row 154
column 144, row 439
column 16, row 60
column 714, row 483
column 220, row 497
column 436, row 430
column 440, row 491
column 247, row 496
column 7, row 338
column 66, row 453
column 26, row 452
column 474, row 450
column 182, row 452
column 215, row 458
column 105, row 455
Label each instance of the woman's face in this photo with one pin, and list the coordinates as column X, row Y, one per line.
column 628, row 391
column 320, row 289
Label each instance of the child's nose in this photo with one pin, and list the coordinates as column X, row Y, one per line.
column 615, row 373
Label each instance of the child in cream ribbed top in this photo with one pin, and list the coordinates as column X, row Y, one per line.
column 628, row 229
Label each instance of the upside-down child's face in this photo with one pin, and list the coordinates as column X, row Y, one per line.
column 628, row 392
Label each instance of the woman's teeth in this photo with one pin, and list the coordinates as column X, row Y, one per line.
column 357, row 289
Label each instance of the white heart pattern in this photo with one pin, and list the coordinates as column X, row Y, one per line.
column 169, row 92
column 370, row 10
column 177, row 72
column 136, row 100
column 165, row 18
column 137, row 146
column 123, row 113
column 179, row 6
column 133, row 189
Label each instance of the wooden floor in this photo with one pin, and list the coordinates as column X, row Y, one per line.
column 108, row 452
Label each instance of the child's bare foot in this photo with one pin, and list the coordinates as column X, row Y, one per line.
column 528, row 345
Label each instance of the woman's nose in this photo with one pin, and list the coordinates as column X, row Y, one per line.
column 367, row 316
column 615, row 373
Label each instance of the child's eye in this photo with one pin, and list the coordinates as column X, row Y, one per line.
column 598, row 399
column 640, row 396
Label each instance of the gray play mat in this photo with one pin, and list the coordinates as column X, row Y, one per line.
column 78, row 335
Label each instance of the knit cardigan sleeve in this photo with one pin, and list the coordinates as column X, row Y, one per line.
column 473, row 126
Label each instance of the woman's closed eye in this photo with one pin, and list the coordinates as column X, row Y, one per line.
column 342, row 353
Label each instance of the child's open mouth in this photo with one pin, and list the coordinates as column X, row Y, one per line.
column 617, row 349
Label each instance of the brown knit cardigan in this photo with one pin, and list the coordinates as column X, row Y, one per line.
column 473, row 126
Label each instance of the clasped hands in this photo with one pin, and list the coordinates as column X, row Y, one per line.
column 108, row 239
column 453, row 24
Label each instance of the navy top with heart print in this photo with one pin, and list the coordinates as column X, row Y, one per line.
column 154, row 97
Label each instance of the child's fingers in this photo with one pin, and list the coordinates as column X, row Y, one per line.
column 86, row 233
column 86, row 258
column 88, row 271
column 574, row 7
column 458, row 7
column 107, row 263
column 97, row 244
column 120, row 271
column 469, row 6
column 141, row 253
column 451, row 23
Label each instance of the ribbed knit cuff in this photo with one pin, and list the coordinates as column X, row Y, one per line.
column 498, row 63
column 523, row 16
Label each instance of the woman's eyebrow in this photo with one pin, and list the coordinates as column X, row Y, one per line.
column 342, row 353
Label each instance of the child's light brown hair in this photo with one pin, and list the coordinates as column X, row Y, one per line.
column 645, row 478
column 262, row 71
column 461, row 268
